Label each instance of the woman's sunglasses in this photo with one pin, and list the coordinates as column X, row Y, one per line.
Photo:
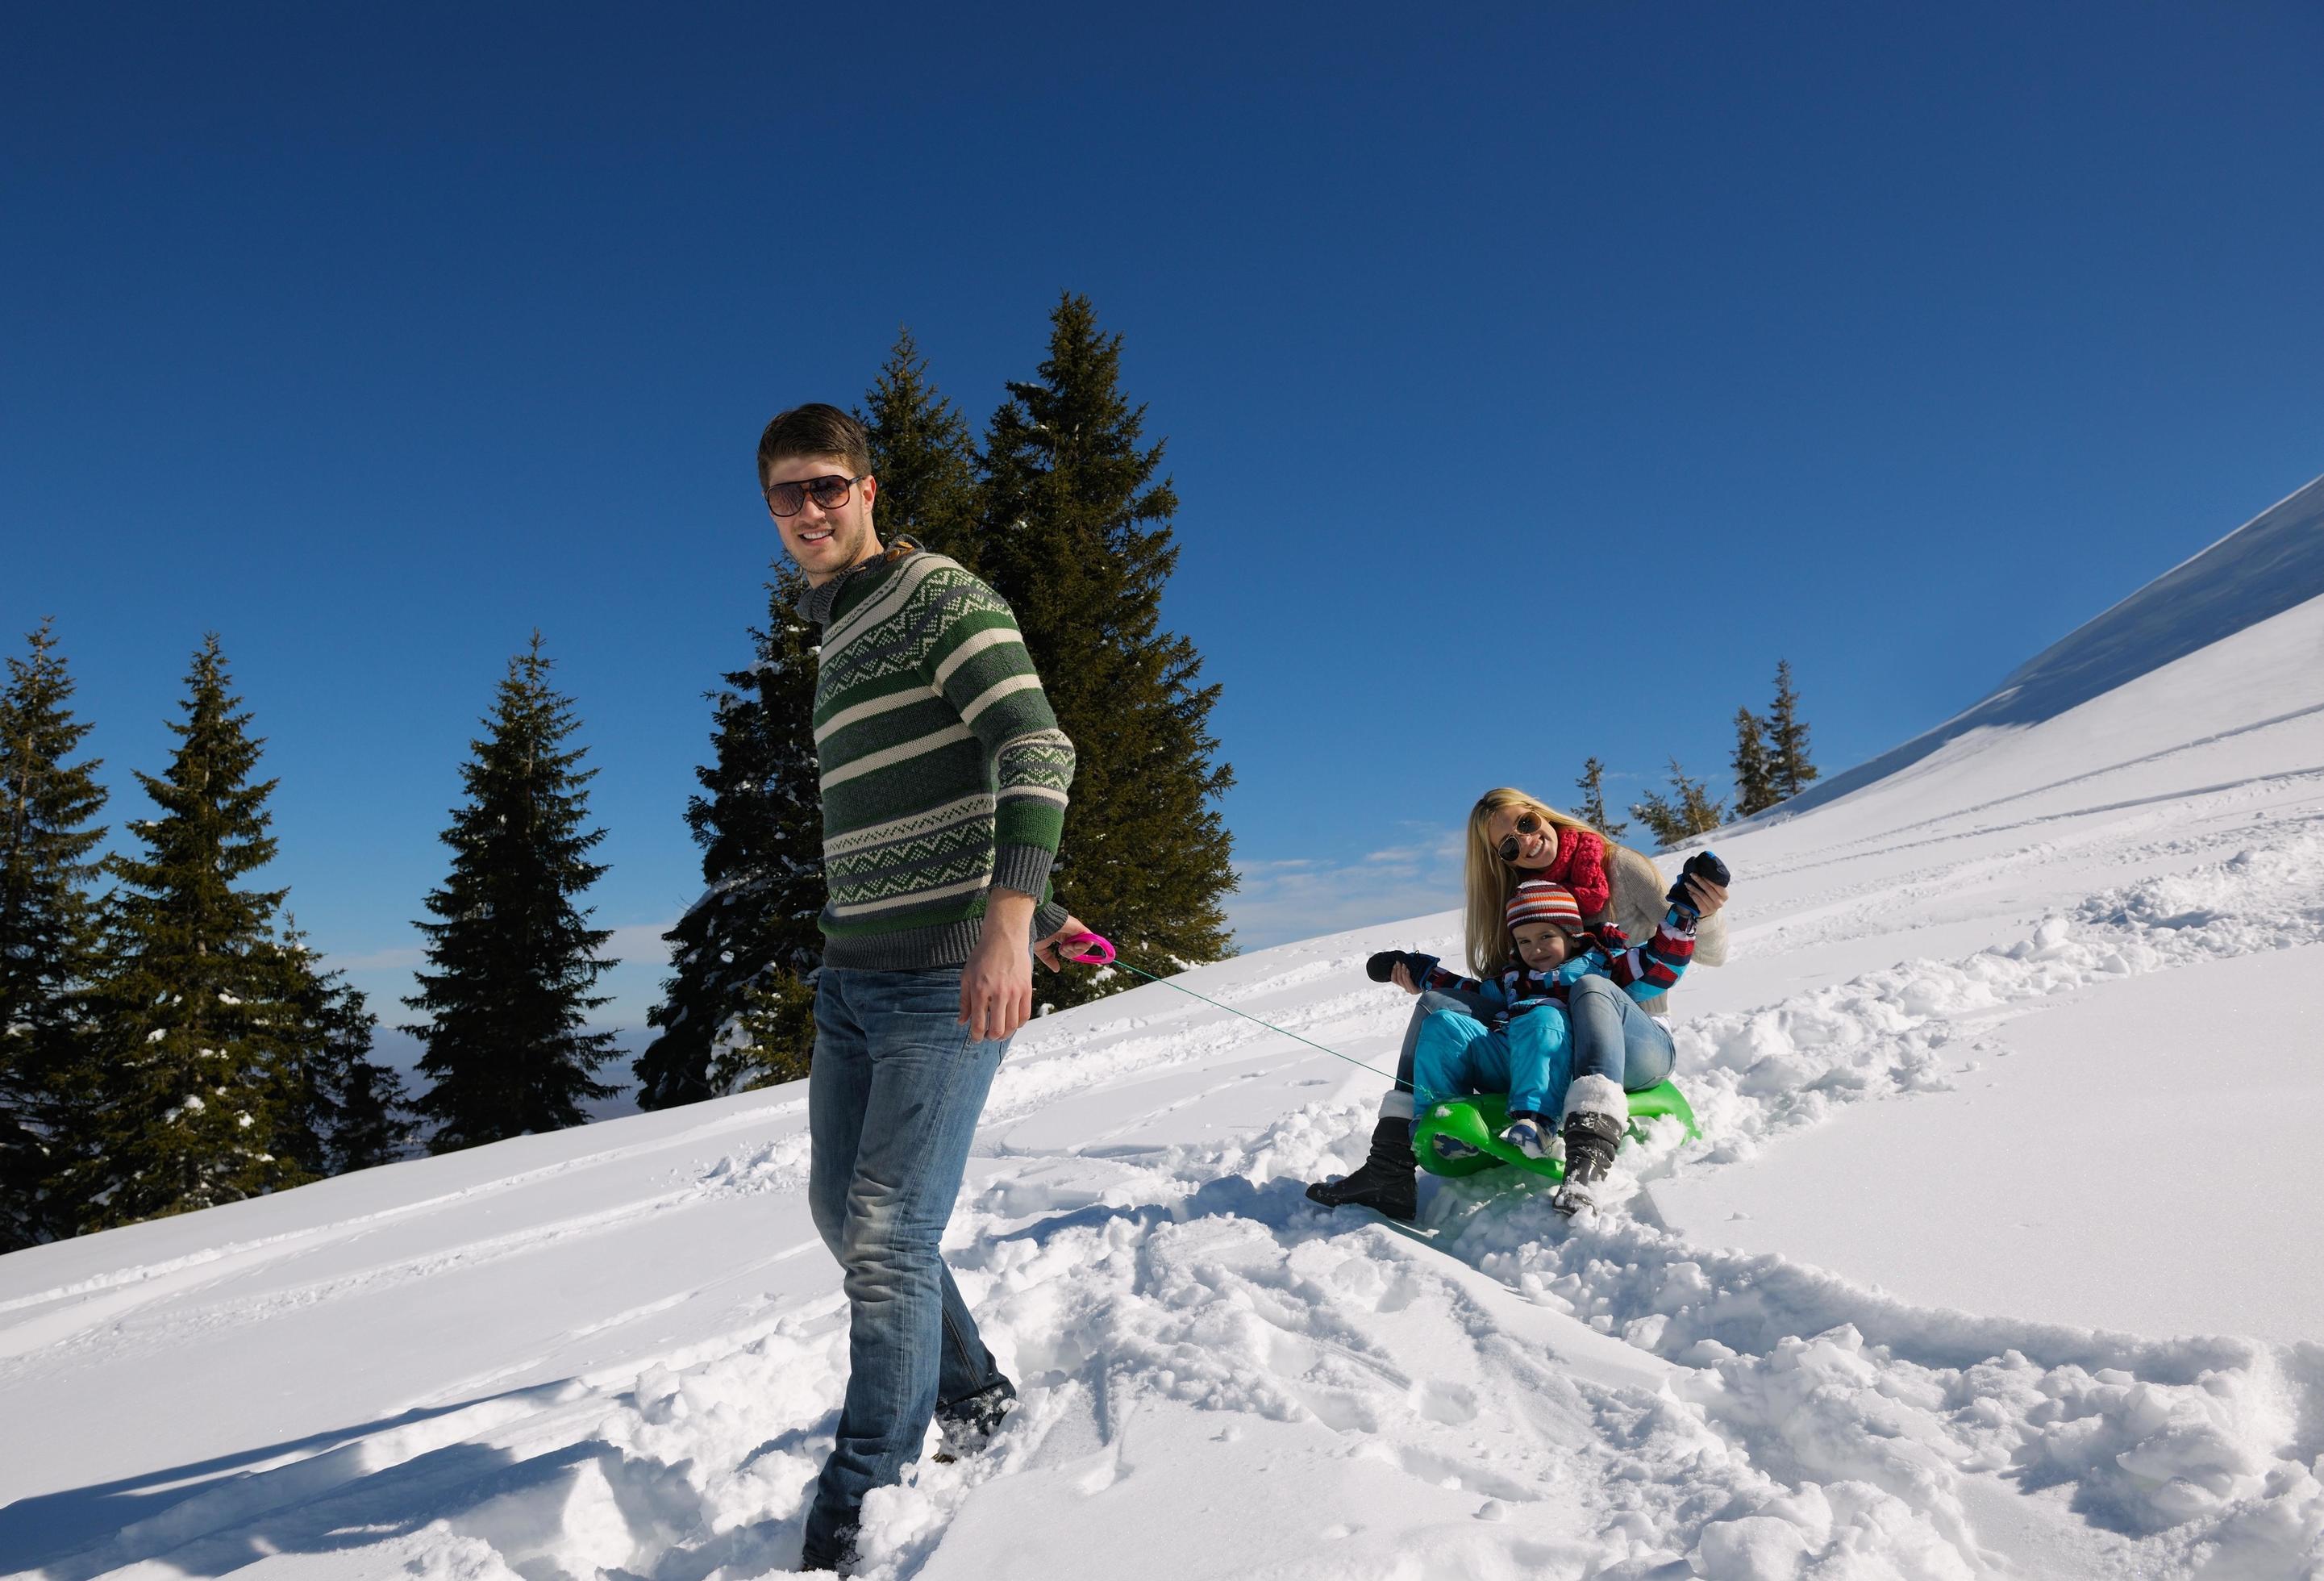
column 786, row 499
column 1526, row 825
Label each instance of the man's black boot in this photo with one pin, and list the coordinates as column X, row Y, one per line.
column 839, row 1559
column 968, row 1423
column 1385, row 1181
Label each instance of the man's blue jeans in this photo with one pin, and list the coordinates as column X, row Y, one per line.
column 892, row 1102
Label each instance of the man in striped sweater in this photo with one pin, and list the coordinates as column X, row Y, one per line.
column 944, row 779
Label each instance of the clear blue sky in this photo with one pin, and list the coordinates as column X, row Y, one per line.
column 1533, row 381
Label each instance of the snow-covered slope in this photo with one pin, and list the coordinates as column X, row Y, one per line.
column 2273, row 563
column 1998, row 1258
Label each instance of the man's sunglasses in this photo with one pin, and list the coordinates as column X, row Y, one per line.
column 1526, row 825
column 786, row 499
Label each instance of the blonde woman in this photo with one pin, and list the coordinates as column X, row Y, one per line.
column 1514, row 837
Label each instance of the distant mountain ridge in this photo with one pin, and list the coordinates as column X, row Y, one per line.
column 2271, row 563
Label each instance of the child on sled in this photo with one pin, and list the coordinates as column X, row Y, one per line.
column 1514, row 839
column 1563, row 1033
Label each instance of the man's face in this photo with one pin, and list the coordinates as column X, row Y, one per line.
column 826, row 543
column 1541, row 944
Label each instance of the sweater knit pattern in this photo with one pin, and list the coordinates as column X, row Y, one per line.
column 943, row 769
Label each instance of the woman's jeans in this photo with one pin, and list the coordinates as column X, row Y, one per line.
column 1449, row 1052
column 892, row 1102
column 1613, row 1038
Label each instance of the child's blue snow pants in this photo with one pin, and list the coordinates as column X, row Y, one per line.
column 1457, row 1056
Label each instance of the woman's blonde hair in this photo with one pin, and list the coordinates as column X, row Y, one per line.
column 1490, row 881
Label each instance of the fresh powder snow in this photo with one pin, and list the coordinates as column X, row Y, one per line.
column 1999, row 1255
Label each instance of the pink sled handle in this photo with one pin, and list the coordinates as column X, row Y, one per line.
column 1095, row 949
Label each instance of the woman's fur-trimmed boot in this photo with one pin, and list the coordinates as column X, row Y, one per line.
column 1384, row 1180
column 1596, row 1114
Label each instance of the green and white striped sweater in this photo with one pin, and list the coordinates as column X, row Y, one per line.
column 944, row 771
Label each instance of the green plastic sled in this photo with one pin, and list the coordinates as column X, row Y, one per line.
column 1477, row 1121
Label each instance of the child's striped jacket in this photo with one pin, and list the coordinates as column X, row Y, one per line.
column 1643, row 971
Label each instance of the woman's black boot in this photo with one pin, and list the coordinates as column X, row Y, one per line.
column 1385, row 1181
column 1590, row 1140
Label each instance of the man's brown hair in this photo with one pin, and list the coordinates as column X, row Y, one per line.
column 814, row 430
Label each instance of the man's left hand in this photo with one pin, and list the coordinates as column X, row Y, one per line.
column 1050, row 951
column 996, row 985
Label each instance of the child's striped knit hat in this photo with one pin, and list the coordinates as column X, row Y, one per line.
column 1539, row 900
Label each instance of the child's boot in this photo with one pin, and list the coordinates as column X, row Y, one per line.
column 1384, row 1180
column 1530, row 1135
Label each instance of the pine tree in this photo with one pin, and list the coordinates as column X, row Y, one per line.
column 772, row 1041
column 1593, row 811
column 1702, row 811
column 1787, row 737
column 49, row 941
column 338, row 1109
column 1754, row 783
column 375, row 1123
column 759, row 825
column 1662, row 817
column 194, row 1034
column 922, row 454
column 514, row 956
column 1688, row 811
column 1078, row 538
